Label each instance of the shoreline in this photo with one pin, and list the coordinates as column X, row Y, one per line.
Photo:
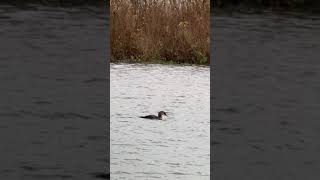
column 136, row 61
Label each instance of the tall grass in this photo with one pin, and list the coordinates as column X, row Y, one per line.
column 160, row 30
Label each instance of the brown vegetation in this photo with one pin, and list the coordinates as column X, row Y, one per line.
column 160, row 30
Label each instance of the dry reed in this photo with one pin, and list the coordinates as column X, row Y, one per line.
column 160, row 30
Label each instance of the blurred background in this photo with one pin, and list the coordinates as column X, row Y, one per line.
column 264, row 91
column 54, row 93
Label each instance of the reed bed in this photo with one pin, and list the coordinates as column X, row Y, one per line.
column 165, row 31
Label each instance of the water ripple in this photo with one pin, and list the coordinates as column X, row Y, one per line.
column 162, row 149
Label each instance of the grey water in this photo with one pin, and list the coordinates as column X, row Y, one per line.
column 265, row 113
column 53, row 93
column 176, row 148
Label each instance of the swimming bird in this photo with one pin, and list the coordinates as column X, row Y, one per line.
column 161, row 116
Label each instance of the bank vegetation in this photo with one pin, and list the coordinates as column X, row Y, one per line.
column 165, row 31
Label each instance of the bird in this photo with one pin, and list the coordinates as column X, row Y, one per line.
column 161, row 116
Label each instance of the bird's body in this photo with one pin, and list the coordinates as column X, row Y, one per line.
column 161, row 116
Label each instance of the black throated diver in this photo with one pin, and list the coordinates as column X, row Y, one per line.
column 161, row 116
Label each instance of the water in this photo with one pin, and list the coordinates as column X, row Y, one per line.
column 266, row 97
column 178, row 148
column 53, row 93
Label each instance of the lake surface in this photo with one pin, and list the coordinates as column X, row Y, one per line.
column 53, row 93
column 266, row 97
column 177, row 148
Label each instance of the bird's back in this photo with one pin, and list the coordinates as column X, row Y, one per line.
column 150, row 117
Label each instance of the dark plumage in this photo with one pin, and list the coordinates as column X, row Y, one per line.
column 160, row 116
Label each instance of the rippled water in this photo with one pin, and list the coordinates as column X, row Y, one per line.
column 53, row 93
column 177, row 148
column 266, row 97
